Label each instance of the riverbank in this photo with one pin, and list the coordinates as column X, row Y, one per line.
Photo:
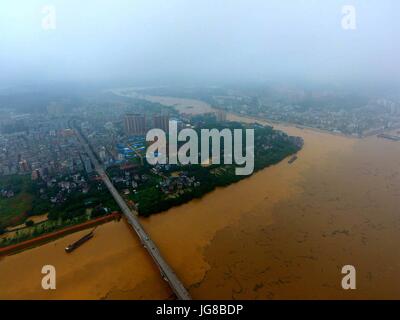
column 299, row 224
column 18, row 247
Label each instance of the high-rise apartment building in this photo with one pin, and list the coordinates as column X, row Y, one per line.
column 135, row 124
column 161, row 122
column 221, row 115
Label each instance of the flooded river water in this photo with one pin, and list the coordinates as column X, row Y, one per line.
column 284, row 232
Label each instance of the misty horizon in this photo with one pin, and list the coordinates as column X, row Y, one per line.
column 225, row 151
column 198, row 42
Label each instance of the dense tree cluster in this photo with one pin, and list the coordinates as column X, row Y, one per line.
column 271, row 146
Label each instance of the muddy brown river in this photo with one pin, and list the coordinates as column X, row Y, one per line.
column 283, row 233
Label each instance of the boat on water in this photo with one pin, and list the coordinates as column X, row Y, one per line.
column 389, row 137
column 292, row 159
column 79, row 242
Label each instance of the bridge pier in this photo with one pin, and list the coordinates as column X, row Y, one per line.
column 166, row 271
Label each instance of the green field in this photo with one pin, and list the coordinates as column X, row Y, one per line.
column 12, row 210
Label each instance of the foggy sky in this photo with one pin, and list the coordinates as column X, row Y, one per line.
column 198, row 40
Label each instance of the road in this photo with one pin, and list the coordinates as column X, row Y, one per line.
column 137, row 153
column 166, row 271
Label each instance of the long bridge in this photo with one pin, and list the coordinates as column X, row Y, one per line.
column 166, row 271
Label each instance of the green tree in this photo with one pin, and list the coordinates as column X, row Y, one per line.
column 98, row 212
column 29, row 223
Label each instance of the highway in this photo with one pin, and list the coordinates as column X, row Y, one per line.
column 166, row 271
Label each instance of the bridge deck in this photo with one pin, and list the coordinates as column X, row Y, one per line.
column 166, row 271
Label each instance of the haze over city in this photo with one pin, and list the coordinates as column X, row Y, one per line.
column 199, row 149
column 192, row 42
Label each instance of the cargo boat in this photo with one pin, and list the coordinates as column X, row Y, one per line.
column 79, row 242
column 292, row 159
column 389, row 137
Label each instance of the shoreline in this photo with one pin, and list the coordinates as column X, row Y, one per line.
column 159, row 99
column 300, row 222
column 51, row 236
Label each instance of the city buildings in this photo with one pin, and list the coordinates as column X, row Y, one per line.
column 47, row 147
column 220, row 115
column 134, row 124
column 161, row 122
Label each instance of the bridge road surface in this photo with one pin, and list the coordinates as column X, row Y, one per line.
column 166, row 271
